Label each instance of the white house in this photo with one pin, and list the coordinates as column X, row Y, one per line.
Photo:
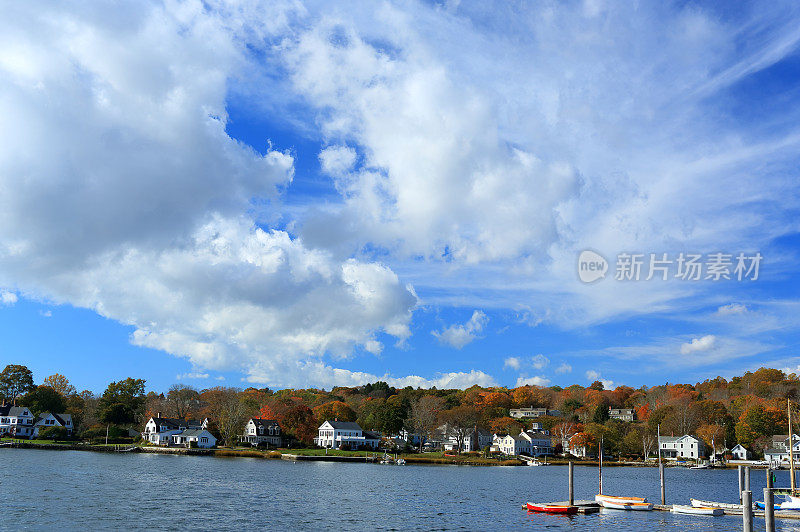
column 741, row 453
column 540, row 442
column 346, row 435
column 622, row 414
column 779, row 450
column 16, row 421
column 685, row 446
column 527, row 442
column 475, row 440
column 159, row 430
column 260, row 430
column 201, row 437
column 48, row 420
column 532, row 412
column 512, row 445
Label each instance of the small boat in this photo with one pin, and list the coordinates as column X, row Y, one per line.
column 697, row 503
column 401, row 461
column 699, row 466
column 611, row 498
column 637, row 506
column 696, row 510
column 552, row 508
column 762, row 505
column 791, row 503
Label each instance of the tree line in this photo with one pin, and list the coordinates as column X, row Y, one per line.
column 748, row 409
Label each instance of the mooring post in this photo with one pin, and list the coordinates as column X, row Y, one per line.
column 769, row 477
column 741, row 481
column 769, row 509
column 571, row 484
column 747, row 478
column 663, row 485
column 747, row 511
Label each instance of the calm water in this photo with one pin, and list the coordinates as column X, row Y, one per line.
column 73, row 490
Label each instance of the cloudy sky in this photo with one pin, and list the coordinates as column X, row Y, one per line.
column 295, row 194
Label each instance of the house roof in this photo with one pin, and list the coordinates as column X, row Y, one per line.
column 61, row 418
column 668, row 439
column 344, row 425
column 372, row 435
column 193, row 432
column 775, row 451
column 260, row 422
column 8, row 410
column 175, row 422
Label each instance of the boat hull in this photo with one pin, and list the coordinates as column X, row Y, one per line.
column 611, row 498
column 631, row 506
column 712, row 504
column 696, row 510
column 552, row 508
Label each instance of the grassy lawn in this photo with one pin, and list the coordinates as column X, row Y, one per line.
column 331, row 452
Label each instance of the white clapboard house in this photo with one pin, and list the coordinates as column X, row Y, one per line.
column 47, row 420
column 260, row 430
column 16, row 421
column 346, row 435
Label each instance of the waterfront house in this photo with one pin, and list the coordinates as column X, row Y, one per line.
column 475, row 440
column 740, row 452
column 16, row 421
column 778, row 452
column 512, row 445
column 159, row 430
column 622, row 414
column 532, row 412
column 346, row 435
column 540, row 442
column 260, row 430
column 685, row 446
column 200, row 437
column 48, row 420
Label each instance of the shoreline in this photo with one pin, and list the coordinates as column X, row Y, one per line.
column 282, row 455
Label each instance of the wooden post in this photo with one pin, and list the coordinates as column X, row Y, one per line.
column 769, row 477
column 769, row 508
column 571, row 483
column 747, row 511
column 747, row 478
column 600, row 463
column 661, row 466
column 741, row 481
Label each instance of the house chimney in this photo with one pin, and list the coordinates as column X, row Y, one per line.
column 158, row 414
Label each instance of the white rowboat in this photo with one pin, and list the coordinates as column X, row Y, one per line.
column 637, row 506
column 611, row 498
column 696, row 510
column 697, row 503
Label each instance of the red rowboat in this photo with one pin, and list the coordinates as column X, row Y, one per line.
column 552, row 508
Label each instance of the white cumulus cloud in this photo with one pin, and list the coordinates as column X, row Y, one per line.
column 697, row 345
column 459, row 335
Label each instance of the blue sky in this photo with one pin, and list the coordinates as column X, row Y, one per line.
column 292, row 195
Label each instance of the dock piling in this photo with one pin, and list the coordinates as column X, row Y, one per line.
column 747, row 511
column 571, row 483
column 769, row 508
column 740, row 470
column 663, row 485
column 769, row 477
column 747, row 478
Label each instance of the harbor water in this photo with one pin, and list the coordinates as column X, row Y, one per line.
column 73, row 490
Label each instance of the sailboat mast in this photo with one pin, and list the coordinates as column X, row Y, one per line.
column 600, row 464
column 791, row 445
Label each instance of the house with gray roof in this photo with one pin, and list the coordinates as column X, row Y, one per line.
column 260, row 430
column 159, row 430
column 16, row 421
column 47, row 420
column 346, row 435
column 200, row 437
